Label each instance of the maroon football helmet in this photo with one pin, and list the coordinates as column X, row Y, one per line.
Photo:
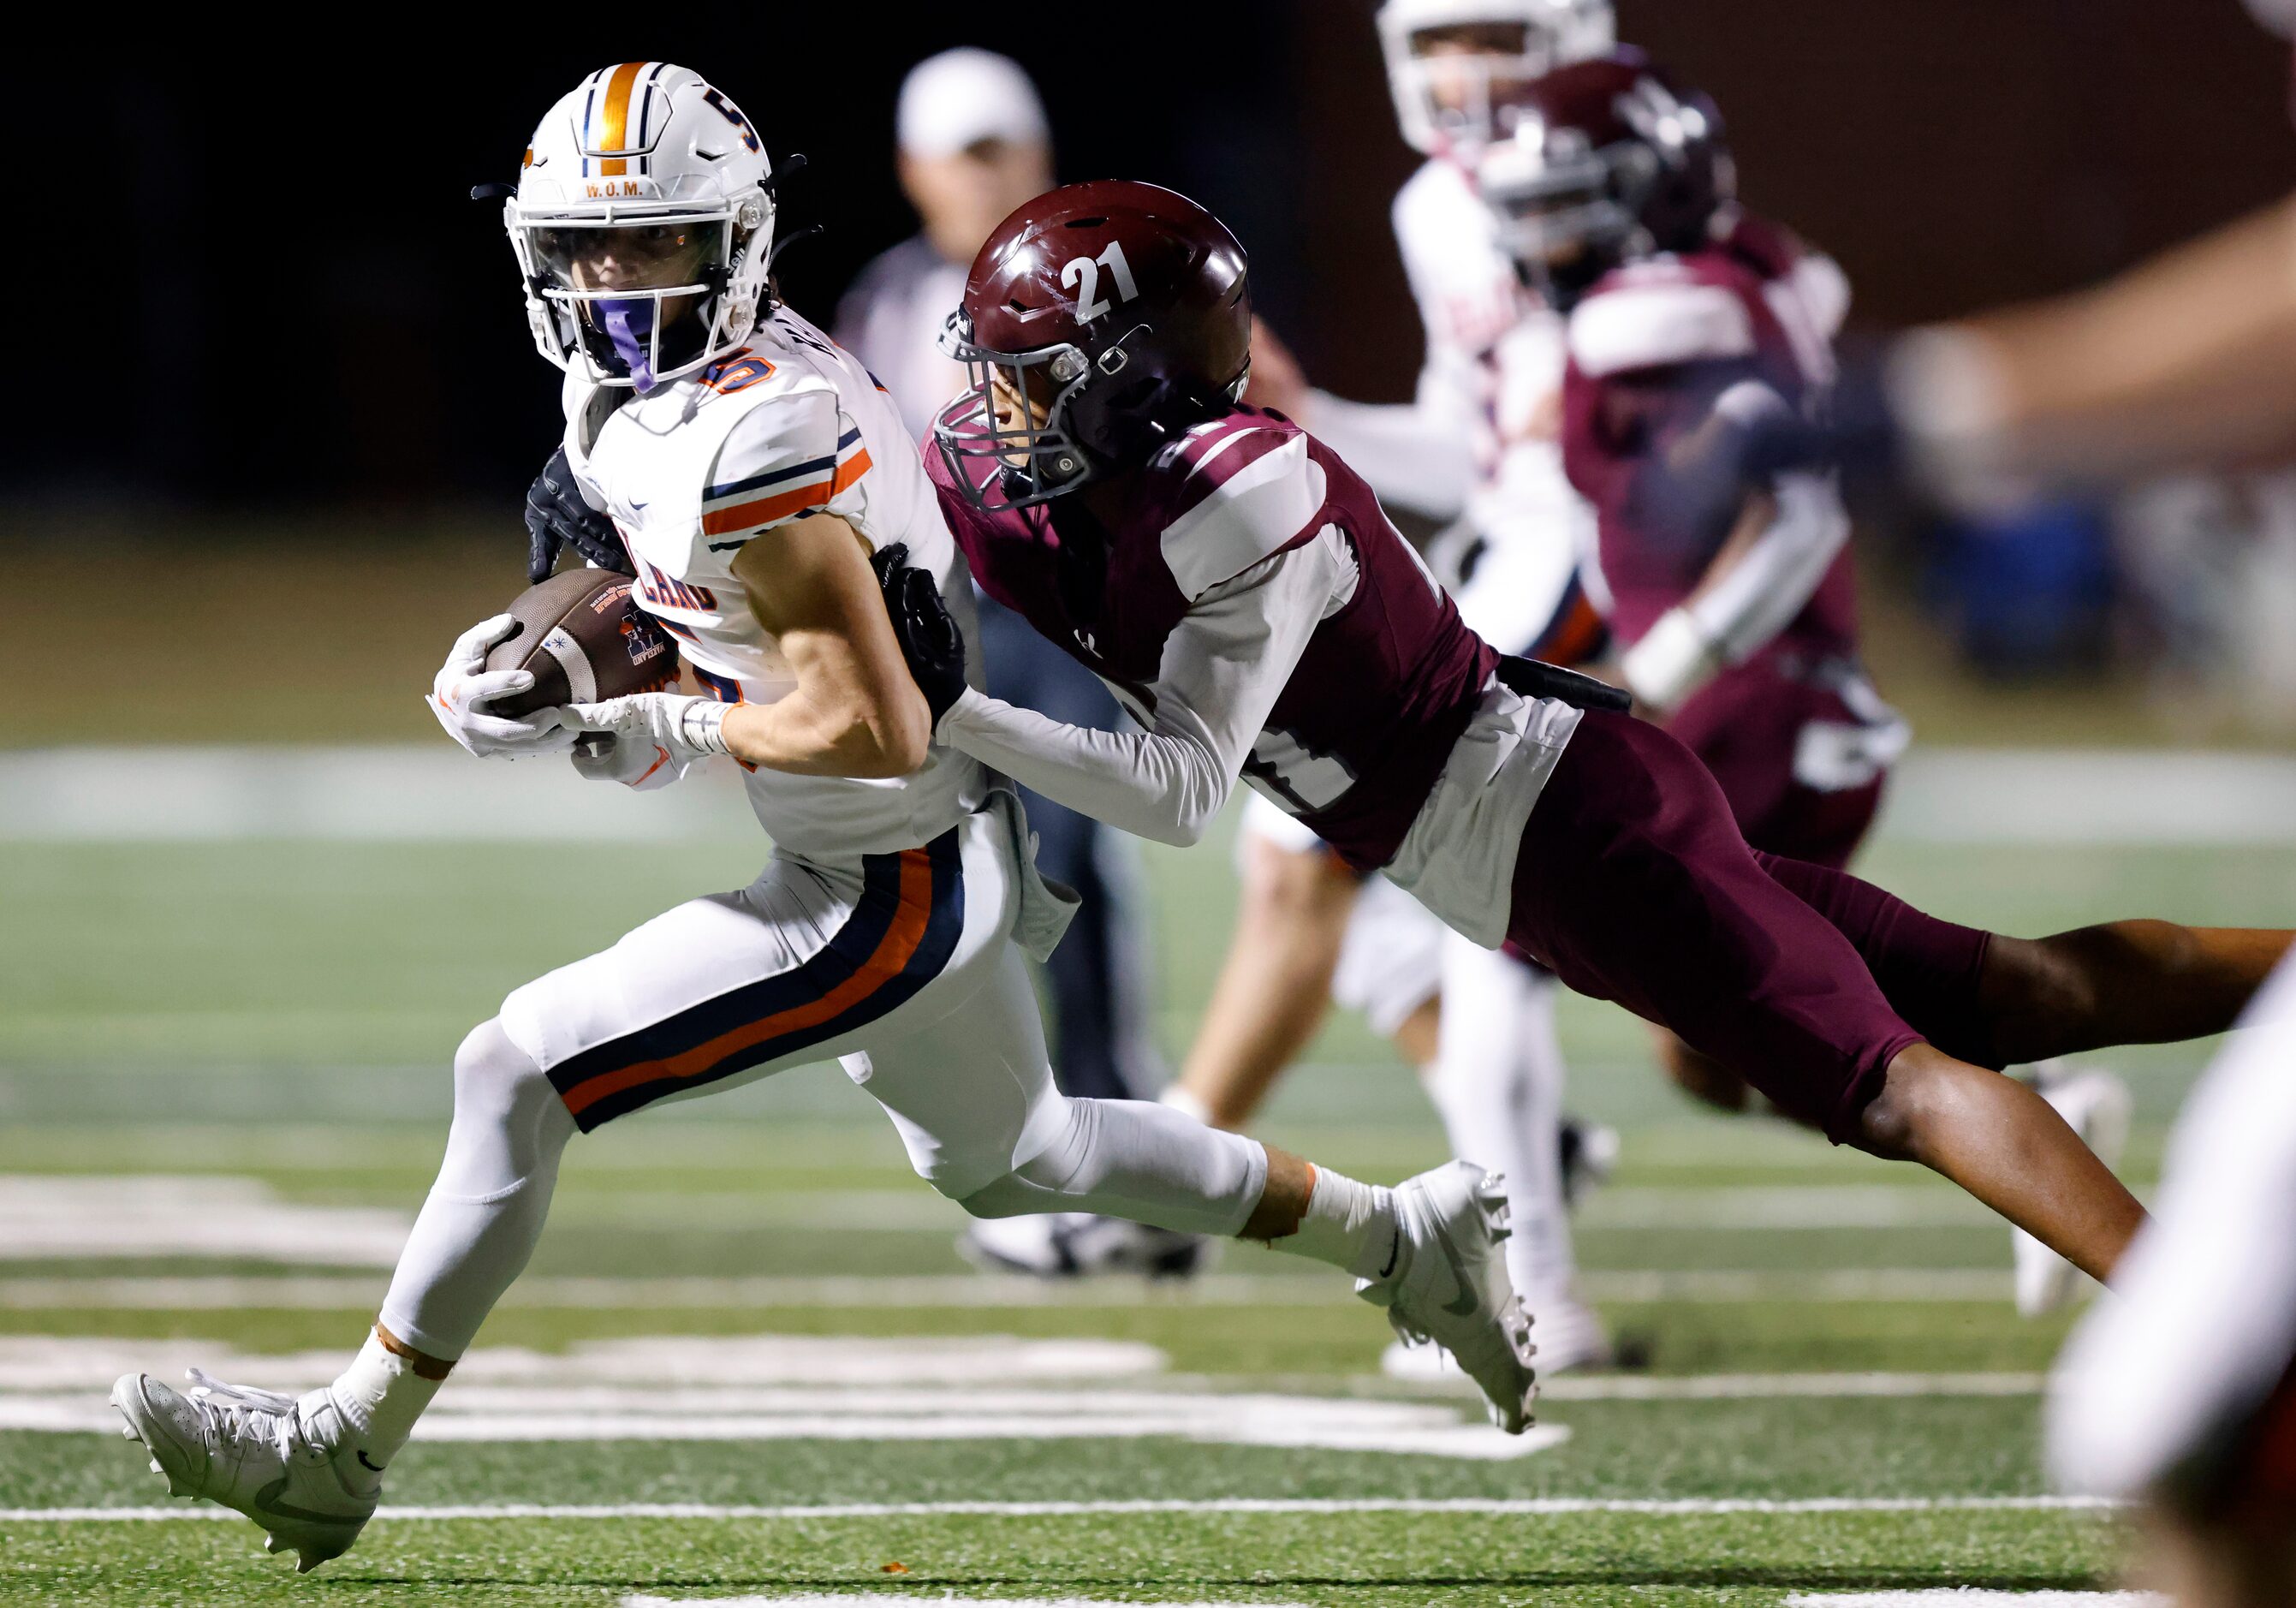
column 1119, row 311
column 1608, row 160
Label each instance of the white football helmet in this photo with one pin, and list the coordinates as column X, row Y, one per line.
column 644, row 225
column 1443, row 100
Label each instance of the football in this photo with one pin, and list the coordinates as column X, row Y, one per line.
column 583, row 637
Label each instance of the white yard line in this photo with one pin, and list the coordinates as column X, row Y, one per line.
column 809, row 1599
column 1529, row 1507
column 315, row 1292
column 1969, row 1598
column 1759, row 1387
column 51, row 1216
column 1306, row 1423
column 1737, row 1208
column 741, row 1371
column 1313, row 1423
column 431, row 791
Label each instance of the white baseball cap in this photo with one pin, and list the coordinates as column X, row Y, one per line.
column 963, row 96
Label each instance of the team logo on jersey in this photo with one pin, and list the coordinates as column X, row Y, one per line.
column 642, row 641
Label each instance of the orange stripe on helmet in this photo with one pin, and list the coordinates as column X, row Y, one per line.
column 614, row 135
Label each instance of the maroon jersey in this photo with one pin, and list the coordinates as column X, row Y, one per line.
column 1389, row 678
column 1653, row 345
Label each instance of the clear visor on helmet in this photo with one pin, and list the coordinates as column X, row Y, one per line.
column 640, row 293
column 1005, row 436
column 666, row 254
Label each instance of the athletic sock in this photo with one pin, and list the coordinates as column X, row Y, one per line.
column 1347, row 1224
column 380, row 1397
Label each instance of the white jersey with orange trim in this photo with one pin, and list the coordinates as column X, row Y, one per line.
column 787, row 425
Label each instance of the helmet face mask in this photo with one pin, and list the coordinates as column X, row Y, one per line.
column 643, row 226
column 643, row 297
column 1571, row 221
column 1607, row 162
column 1015, row 408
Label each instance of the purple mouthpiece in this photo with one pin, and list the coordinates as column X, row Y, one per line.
column 629, row 326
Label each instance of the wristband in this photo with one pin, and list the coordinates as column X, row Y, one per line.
column 1671, row 661
column 701, row 725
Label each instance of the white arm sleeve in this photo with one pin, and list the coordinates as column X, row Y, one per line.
column 1767, row 588
column 1223, row 668
column 1418, row 453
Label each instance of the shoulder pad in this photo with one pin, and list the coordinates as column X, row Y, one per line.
column 1652, row 322
column 789, row 454
column 1241, row 490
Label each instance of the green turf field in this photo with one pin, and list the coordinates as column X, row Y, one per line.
column 222, row 1090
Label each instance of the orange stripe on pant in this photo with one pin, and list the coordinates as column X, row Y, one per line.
column 741, row 516
column 884, row 964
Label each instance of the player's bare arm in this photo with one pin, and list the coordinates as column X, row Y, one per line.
column 2183, row 360
column 855, row 713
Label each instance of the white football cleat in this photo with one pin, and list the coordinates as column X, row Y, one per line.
column 1076, row 1244
column 1448, row 1284
column 1569, row 1336
column 2095, row 1106
column 266, row 1455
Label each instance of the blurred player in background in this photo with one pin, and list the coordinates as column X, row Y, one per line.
column 974, row 144
column 2179, row 1391
column 758, row 477
column 1615, row 194
column 1477, row 449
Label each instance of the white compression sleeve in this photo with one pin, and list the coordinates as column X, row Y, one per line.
column 1139, row 1160
column 485, row 1213
column 1419, row 453
column 1767, row 588
column 1497, row 1085
column 1223, row 669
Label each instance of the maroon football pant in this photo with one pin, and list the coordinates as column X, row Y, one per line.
column 1746, row 725
column 1634, row 885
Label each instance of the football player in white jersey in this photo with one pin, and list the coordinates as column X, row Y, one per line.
column 1478, row 449
column 753, row 470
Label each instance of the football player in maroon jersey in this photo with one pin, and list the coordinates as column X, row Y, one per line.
column 1241, row 592
column 1613, row 192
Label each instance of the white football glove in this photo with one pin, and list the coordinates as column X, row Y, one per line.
column 464, row 686
column 646, row 734
column 640, row 766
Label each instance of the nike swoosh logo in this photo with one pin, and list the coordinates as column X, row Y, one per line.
column 1394, row 1255
column 267, row 1499
column 377, row 1467
column 1464, row 1306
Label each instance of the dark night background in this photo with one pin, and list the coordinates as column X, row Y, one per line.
column 302, row 308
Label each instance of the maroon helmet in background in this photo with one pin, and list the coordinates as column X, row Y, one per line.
column 1120, row 310
column 1605, row 161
